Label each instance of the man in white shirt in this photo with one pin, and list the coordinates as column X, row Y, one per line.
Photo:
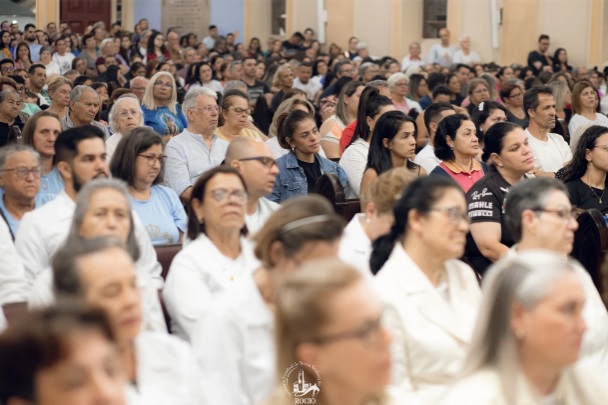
column 432, row 117
column 443, row 52
column 551, row 152
column 304, row 83
column 197, row 149
column 210, row 39
column 62, row 57
column 253, row 159
column 413, row 58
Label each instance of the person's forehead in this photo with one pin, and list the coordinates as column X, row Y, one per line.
column 205, row 100
column 89, row 95
column 23, row 156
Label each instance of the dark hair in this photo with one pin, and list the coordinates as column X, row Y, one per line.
column 370, row 103
column 288, row 126
column 435, row 79
column 415, row 80
column 195, row 228
column 66, row 145
column 7, row 60
column 502, row 70
column 85, row 38
column 494, row 139
column 387, row 127
column 523, row 72
column 482, row 112
column 136, row 66
column 462, row 65
column 124, row 160
column 531, row 101
column 507, row 88
column 419, row 195
column 40, row 339
column 21, row 45
column 433, row 113
column 227, row 102
column 577, row 89
column 556, row 62
column 150, row 44
column 441, row 89
column 81, row 80
column 447, row 127
column 28, row 26
column 578, row 165
column 543, row 36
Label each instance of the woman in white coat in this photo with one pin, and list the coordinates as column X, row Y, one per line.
column 99, row 272
column 234, row 343
column 376, row 220
column 219, row 253
column 432, row 297
column 528, row 338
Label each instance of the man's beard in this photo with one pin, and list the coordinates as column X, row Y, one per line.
column 78, row 183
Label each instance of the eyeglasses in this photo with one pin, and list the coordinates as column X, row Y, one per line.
column 221, row 195
column 516, row 95
column 165, row 85
column 126, row 113
column 23, row 172
column 402, row 84
column 209, row 109
column 154, row 158
column 239, row 110
column 371, row 334
column 605, row 147
column 8, row 68
column 565, row 214
column 265, row 160
column 455, row 215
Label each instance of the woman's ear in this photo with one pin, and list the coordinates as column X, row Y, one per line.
column 370, row 210
column 449, row 141
column 370, row 123
column 197, row 207
column 496, row 161
column 386, row 143
column 276, row 253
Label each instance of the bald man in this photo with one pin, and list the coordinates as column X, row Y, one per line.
column 138, row 85
column 253, row 159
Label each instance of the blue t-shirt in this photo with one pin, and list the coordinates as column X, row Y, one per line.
column 14, row 223
column 163, row 215
column 50, row 186
column 163, row 121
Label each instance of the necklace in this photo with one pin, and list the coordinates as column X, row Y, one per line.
column 599, row 198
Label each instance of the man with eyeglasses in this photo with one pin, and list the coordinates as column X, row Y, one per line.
column 343, row 69
column 197, row 149
column 539, row 216
column 7, row 66
column 84, row 105
column 254, row 161
column 138, row 85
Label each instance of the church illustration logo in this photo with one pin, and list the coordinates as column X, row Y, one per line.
column 302, row 382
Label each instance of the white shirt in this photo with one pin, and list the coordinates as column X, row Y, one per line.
column 407, row 62
column 111, row 144
column 578, row 120
column 354, row 161
column 550, row 155
column 441, row 55
column 460, row 57
column 427, row 159
column 64, row 62
column 355, row 246
column 256, row 220
column 430, row 335
column 311, row 88
column 167, row 372
column 197, row 274
column 234, row 345
column 13, row 287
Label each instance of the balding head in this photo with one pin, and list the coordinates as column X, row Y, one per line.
column 243, row 147
column 138, row 85
column 253, row 159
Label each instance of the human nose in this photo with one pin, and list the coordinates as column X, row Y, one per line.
column 572, row 223
column 274, row 169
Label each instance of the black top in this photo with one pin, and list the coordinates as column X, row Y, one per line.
column 276, row 100
column 521, row 122
column 312, row 172
column 583, row 196
column 5, row 128
column 259, row 88
column 485, row 202
column 536, row 56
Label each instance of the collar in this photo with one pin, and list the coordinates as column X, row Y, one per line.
column 456, row 169
column 291, row 161
column 199, row 137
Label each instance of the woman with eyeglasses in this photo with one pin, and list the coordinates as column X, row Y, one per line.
column 528, row 337
column 218, row 253
column 234, row 118
column 585, row 175
column 234, row 343
column 125, row 115
column 512, row 95
column 432, row 297
column 139, row 161
column 161, row 110
column 399, row 85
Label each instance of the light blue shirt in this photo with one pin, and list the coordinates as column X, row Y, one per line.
column 50, row 185
column 188, row 157
column 162, row 214
column 14, row 223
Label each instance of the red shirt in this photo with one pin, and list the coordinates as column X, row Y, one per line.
column 464, row 179
column 347, row 135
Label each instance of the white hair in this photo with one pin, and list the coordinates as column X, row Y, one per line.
column 190, row 98
column 113, row 115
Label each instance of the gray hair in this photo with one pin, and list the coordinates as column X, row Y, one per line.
column 364, row 66
column 4, row 95
column 192, row 94
column 105, row 42
column 83, row 199
column 529, row 194
column 525, row 278
column 395, row 78
column 139, row 78
column 378, row 84
column 9, row 150
column 77, row 92
column 235, row 85
column 113, row 115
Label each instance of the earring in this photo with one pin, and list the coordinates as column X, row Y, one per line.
column 519, row 335
column 201, row 221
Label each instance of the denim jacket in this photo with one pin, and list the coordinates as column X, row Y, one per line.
column 291, row 181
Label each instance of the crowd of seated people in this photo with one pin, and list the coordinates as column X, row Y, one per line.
column 451, row 282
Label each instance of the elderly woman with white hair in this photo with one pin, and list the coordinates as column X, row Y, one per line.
column 465, row 55
column 125, row 115
column 528, row 338
column 160, row 107
column 399, row 85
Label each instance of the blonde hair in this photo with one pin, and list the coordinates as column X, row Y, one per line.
column 148, row 99
column 285, row 108
column 58, row 82
column 280, row 72
column 387, row 189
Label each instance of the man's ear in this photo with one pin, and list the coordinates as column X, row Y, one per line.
column 65, row 170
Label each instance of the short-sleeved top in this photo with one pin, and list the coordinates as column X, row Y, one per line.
column 162, row 214
column 5, row 129
column 464, row 179
column 522, row 122
column 485, row 202
column 586, row 197
column 536, row 56
column 259, row 88
column 550, row 155
column 243, row 133
column 163, row 121
column 50, row 185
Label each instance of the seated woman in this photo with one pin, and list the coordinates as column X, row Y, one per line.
column 428, row 291
column 485, row 115
column 585, row 101
column 161, row 109
column 125, row 115
column 234, row 118
column 286, row 107
column 376, row 218
column 398, row 84
column 88, row 355
column 238, row 333
column 139, row 161
column 354, row 158
column 393, row 144
column 456, row 143
column 479, row 90
column 10, row 105
column 585, row 175
column 99, row 272
column 59, row 93
column 509, row 158
column 528, row 338
column 218, row 253
column 203, row 77
column 512, row 95
column 300, row 169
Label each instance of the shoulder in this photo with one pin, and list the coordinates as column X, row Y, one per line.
column 462, row 272
column 482, row 387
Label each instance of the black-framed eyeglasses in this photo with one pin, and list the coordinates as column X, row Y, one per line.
column 265, row 160
column 8, row 68
column 565, row 214
column 240, row 110
column 161, row 84
column 23, row 172
column 154, row 158
column 222, row 194
column 454, row 214
column 370, row 333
